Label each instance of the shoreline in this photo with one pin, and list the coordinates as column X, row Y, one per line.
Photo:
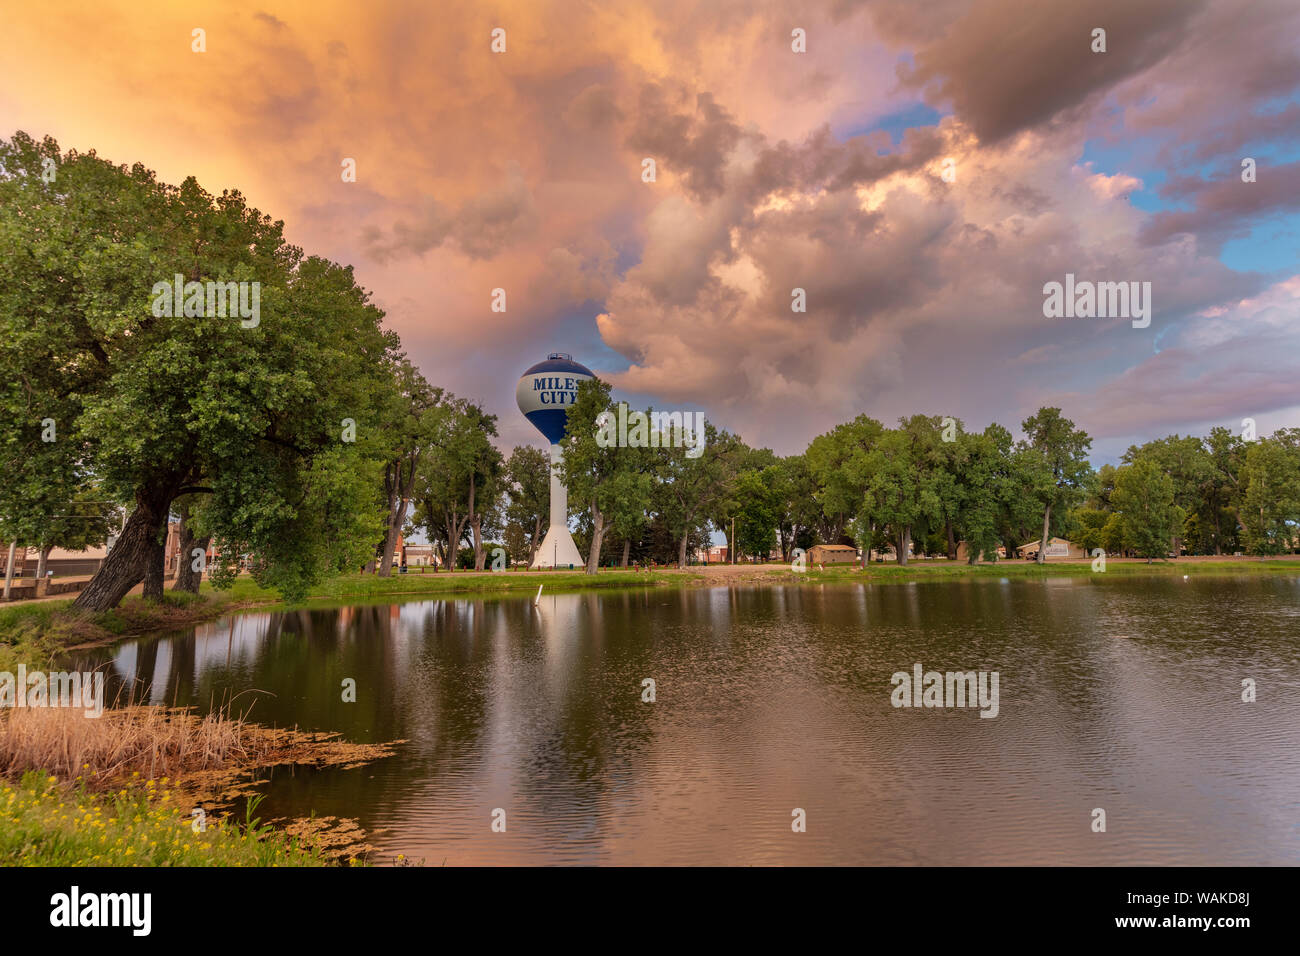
column 43, row 630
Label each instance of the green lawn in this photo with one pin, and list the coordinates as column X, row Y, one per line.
column 930, row 570
column 362, row 586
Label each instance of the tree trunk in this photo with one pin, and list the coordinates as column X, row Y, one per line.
column 9, row 568
column 476, row 524
column 536, row 542
column 383, row 563
column 904, row 544
column 480, row 559
column 597, row 538
column 1041, row 556
column 187, row 579
column 396, row 515
column 154, row 571
column 627, row 550
column 399, row 492
column 125, row 565
column 952, row 544
column 455, row 528
column 40, row 562
column 184, row 545
column 681, row 551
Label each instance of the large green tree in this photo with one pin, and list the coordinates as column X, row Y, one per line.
column 1144, row 501
column 900, row 473
column 1060, row 469
column 693, row 488
column 409, row 416
column 160, row 398
column 1270, row 502
column 834, row 462
column 528, row 490
column 1187, row 463
column 461, row 481
column 1220, row 508
column 591, row 466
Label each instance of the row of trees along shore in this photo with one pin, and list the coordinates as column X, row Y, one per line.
column 927, row 485
column 308, row 443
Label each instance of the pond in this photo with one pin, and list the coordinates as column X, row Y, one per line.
column 1122, row 694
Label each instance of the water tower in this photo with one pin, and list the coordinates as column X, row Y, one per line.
column 545, row 393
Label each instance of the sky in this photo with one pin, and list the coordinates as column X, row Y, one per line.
column 920, row 170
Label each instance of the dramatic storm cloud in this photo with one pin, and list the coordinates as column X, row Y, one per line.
column 920, row 173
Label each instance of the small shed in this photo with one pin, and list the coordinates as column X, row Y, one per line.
column 1056, row 548
column 832, row 554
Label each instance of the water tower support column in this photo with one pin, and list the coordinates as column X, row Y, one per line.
column 558, row 549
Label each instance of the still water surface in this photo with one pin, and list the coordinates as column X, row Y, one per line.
column 1118, row 694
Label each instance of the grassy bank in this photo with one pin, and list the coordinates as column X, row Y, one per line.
column 360, row 587
column 1028, row 570
column 156, row 786
column 35, row 633
column 44, row 823
column 246, row 592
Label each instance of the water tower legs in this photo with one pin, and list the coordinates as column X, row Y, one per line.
column 558, row 549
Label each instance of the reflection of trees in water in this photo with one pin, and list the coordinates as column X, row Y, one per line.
column 594, row 724
column 146, row 663
column 445, row 694
column 179, row 682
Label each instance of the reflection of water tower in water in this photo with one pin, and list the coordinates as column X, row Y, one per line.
column 544, row 395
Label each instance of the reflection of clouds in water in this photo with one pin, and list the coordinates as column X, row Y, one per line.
column 237, row 640
column 557, row 617
column 124, row 661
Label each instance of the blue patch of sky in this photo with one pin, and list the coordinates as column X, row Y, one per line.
column 1112, row 158
column 1272, row 244
column 896, row 123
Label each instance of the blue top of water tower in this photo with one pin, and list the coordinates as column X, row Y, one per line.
column 546, row 391
column 560, row 362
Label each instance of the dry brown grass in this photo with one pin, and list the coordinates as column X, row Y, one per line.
column 205, row 752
